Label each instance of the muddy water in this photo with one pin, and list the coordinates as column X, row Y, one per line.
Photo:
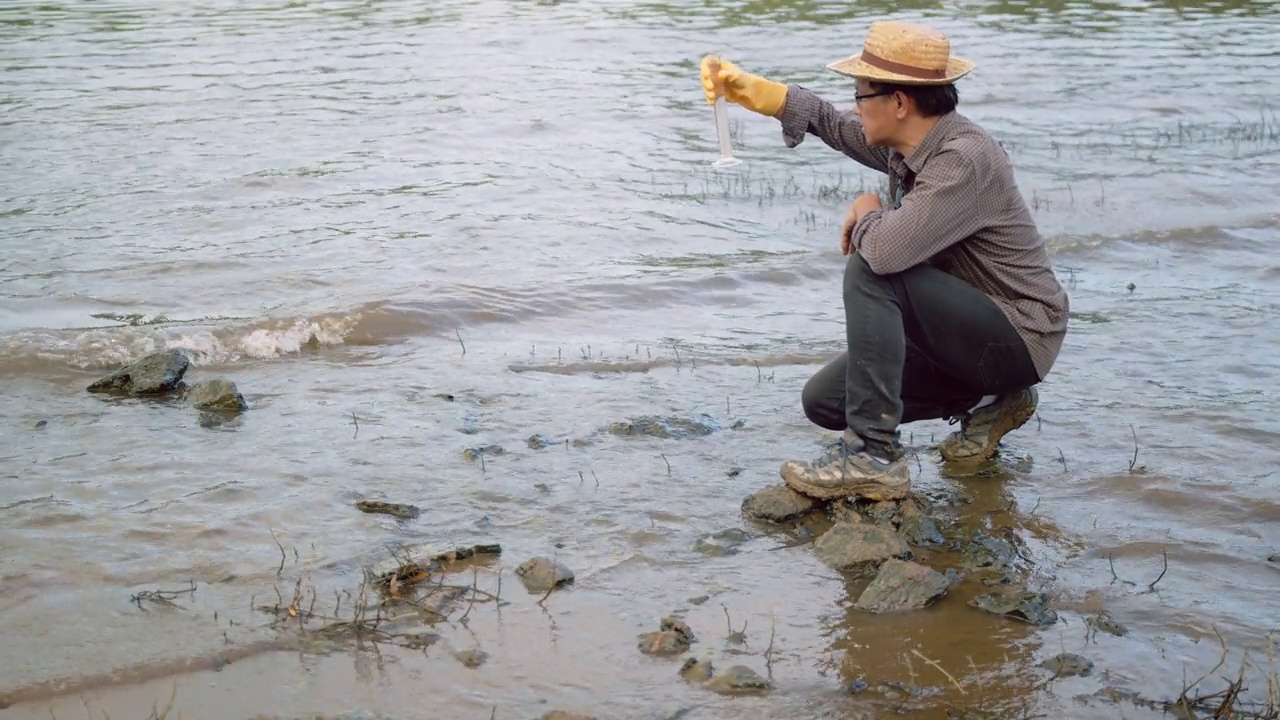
column 408, row 229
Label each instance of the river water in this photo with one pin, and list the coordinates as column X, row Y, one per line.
column 407, row 229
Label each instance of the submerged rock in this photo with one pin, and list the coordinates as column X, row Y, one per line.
column 845, row 510
column 476, row 453
column 404, row 512
column 902, row 585
column 1107, row 624
column 1068, row 665
column 722, row 543
column 217, row 395
column 539, row 441
column 696, row 671
column 1024, row 605
column 738, row 680
column 665, row 427
column 155, row 374
column 473, row 658
column 777, row 503
column 540, row 574
column 850, row 547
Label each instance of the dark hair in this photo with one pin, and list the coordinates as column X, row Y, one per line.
column 932, row 100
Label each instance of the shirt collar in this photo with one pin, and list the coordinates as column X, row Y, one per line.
column 931, row 142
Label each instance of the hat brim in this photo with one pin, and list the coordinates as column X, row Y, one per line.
column 854, row 67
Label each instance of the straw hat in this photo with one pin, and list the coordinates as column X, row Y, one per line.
column 904, row 53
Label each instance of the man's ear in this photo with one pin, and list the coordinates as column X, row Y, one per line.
column 902, row 104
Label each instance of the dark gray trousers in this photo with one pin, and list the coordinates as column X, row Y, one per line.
column 922, row 344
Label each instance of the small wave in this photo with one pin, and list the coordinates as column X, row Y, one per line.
column 207, row 341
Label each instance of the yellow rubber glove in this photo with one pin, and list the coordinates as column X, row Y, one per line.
column 750, row 91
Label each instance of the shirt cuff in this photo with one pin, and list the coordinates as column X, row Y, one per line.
column 799, row 109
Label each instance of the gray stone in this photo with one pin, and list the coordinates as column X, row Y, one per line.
column 398, row 510
column 738, row 680
column 1024, row 605
column 844, row 511
column 859, row 547
column 777, row 503
column 665, row 427
column 217, row 395
column 902, row 585
column 1068, row 665
column 540, row 574
column 916, row 526
column 539, row 441
column 156, row 374
column 1107, row 624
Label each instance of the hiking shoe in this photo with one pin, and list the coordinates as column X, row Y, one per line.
column 849, row 471
column 981, row 430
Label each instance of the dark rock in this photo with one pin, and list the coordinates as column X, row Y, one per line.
column 1104, row 622
column 404, row 512
column 844, row 511
column 540, row 574
column 915, row 525
column 538, row 442
column 722, row 543
column 695, row 670
column 738, row 680
column 1068, row 665
column 668, row 427
column 777, row 503
column 699, row 599
column 1275, row 558
column 155, row 374
column 881, row 512
column 902, row 585
column 850, row 547
column 473, row 658
column 217, row 395
column 1024, row 605
column 40, row 424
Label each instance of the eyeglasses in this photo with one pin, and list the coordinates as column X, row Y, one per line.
column 859, row 98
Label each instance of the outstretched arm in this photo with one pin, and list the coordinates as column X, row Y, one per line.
column 804, row 112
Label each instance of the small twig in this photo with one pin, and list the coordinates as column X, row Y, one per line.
column 1035, row 507
column 940, row 669
column 1039, row 423
column 1114, row 577
column 355, row 422
column 668, row 462
column 759, row 373
column 768, row 652
column 1134, row 461
column 282, row 555
column 547, row 595
column 475, row 587
column 464, row 345
column 593, row 477
column 1164, row 554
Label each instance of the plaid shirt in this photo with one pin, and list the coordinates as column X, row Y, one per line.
column 953, row 203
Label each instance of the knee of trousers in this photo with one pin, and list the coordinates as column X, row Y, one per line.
column 822, row 405
column 859, row 278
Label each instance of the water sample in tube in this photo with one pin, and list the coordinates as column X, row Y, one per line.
column 721, row 109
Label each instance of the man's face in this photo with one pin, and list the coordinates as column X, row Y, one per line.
column 879, row 114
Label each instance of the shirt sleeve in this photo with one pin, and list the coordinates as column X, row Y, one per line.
column 943, row 208
column 805, row 112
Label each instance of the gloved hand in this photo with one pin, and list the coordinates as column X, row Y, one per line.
column 750, row 91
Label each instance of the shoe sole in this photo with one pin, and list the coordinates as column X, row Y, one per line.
column 1003, row 426
column 870, row 491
